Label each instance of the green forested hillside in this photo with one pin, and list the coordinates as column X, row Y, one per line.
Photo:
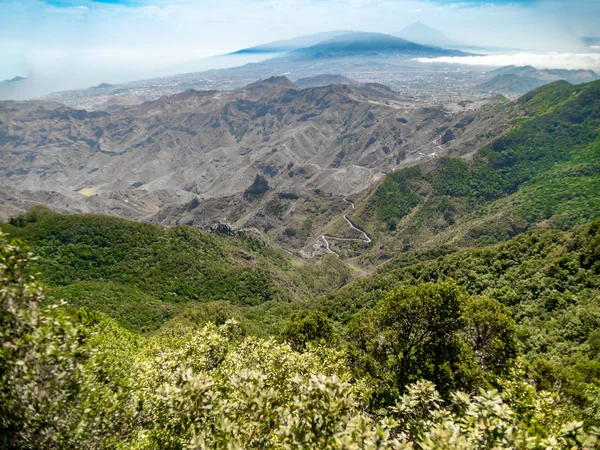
column 549, row 279
column 76, row 379
column 544, row 283
column 545, row 172
column 144, row 275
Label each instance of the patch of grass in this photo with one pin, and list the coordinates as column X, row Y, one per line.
column 88, row 192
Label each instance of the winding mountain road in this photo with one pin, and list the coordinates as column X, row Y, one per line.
column 325, row 237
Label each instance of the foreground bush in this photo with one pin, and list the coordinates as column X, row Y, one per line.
column 78, row 380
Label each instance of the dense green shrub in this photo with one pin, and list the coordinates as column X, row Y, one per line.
column 434, row 332
column 307, row 327
column 78, row 380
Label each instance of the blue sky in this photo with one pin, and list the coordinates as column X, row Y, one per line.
column 117, row 40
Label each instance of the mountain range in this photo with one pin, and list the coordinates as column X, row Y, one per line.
column 265, row 156
column 366, row 57
column 417, row 33
column 368, row 45
column 336, row 220
column 272, row 156
column 363, row 57
column 254, row 54
column 318, row 261
column 514, row 80
column 336, row 241
column 289, row 45
column 189, row 158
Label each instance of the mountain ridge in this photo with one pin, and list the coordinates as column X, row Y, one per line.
column 369, row 44
column 287, row 45
column 189, row 158
column 517, row 80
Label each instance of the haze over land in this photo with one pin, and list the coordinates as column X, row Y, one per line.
column 69, row 44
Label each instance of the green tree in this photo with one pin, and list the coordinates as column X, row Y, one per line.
column 308, row 326
column 434, row 332
column 412, row 333
column 491, row 332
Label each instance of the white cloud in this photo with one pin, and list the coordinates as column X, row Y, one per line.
column 538, row 60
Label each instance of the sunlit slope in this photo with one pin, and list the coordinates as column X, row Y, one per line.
column 145, row 274
column 543, row 173
column 550, row 279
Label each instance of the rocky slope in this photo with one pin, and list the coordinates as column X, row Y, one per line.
column 189, row 158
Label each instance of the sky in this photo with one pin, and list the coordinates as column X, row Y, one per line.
column 78, row 43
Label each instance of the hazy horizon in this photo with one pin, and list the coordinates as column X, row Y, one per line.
column 70, row 44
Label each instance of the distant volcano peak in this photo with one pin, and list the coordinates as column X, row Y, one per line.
column 369, row 44
column 16, row 79
column 424, row 34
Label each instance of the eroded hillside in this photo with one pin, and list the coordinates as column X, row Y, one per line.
column 191, row 157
